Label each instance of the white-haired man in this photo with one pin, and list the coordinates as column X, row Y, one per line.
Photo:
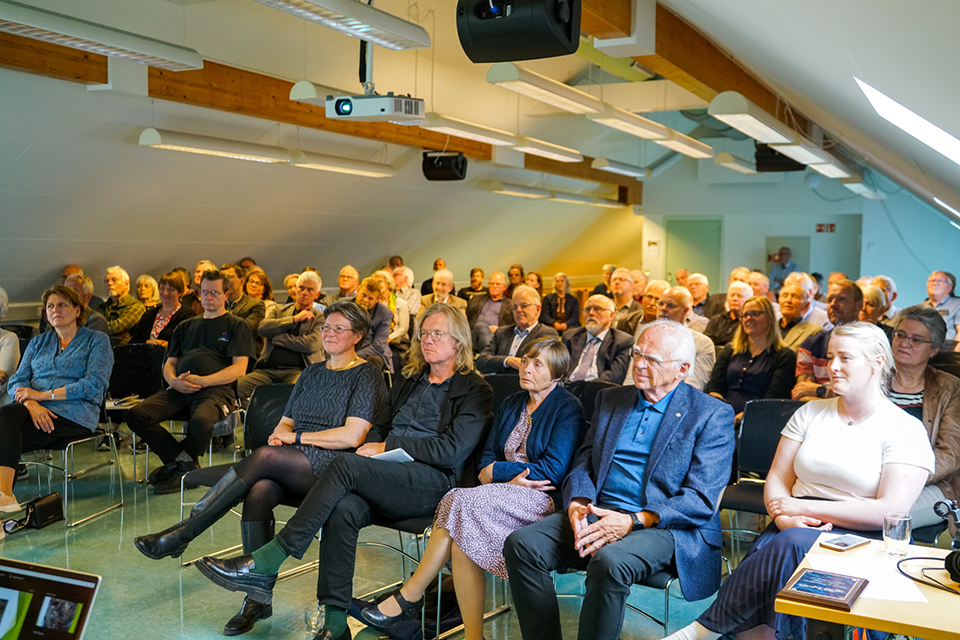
column 294, row 339
column 83, row 285
column 794, row 300
column 811, row 312
column 889, row 288
column 120, row 309
column 597, row 350
column 723, row 325
column 442, row 293
column 509, row 343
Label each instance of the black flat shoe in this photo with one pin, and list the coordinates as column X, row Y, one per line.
column 408, row 610
column 234, row 574
column 166, row 544
column 172, row 483
column 249, row 613
column 324, row 634
column 160, row 473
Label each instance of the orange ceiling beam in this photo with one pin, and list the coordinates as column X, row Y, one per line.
column 51, row 60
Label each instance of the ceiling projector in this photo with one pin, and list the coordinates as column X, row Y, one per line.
column 391, row 108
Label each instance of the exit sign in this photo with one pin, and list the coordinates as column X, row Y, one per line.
column 826, row 228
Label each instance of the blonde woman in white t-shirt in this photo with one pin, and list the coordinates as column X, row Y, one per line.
column 841, row 464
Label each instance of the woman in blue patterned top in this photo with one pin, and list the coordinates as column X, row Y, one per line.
column 57, row 389
column 329, row 412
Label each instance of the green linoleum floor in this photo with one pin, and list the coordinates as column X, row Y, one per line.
column 148, row 599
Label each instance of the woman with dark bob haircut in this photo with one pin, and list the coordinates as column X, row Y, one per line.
column 933, row 397
column 329, row 412
column 157, row 323
column 527, row 454
column 57, row 389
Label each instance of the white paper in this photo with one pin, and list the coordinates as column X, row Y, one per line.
column 885, row 582
column 394, row 455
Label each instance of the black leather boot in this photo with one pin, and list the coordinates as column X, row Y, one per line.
column 172, row 542
column 254, row 536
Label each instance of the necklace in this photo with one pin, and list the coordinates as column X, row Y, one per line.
column 346, row 366
column 849, row 418
column 908, row 388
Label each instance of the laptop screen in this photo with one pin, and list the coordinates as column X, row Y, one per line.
column 37, row 601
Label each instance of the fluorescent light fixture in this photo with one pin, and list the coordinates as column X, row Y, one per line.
column 463, row 129
column 510, row 76
column 306, row 91
column 335, row 164
column 855, row 184
column 40, row 24
column 208, row 146
column 950, row 209
column 917, row 126
column 802, row 152
column 835, row 168
column 358, row 20
column 547, row 150
column 735, row 163
column 730, row 107
column 573, row 198
column 686, row 145
column 609, row 204
column 620, row 168
column 519, row 190
column 628, row 122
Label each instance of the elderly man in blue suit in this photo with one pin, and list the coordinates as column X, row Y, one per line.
column 642, row 495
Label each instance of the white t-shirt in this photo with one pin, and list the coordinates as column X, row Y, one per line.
column 837, row 461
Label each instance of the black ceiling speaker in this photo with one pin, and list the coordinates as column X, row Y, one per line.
column 444, row 165
column 510, row 30
column 768, row 159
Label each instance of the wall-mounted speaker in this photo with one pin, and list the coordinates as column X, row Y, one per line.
column 439, row 165
column 769, row 160
column 510, row 30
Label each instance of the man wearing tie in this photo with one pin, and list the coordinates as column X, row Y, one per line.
column 503, row 353
column 600, row 352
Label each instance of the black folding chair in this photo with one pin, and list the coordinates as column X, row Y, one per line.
column 586, row 392
column 21, row 330
column 503, row 385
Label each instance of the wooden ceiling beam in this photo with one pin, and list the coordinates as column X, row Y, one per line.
column 606, row 18
column 51, row 60
column 630, row 191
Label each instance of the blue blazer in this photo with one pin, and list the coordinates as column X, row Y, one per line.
column 556, row 430
column 689, row 466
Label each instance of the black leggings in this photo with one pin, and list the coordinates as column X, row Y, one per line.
column 274, row 474
column 18, row 434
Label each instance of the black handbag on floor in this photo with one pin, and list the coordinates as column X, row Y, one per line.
column 40, row 512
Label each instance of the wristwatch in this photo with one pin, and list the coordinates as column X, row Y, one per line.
column 637, row 522
column 821, row 391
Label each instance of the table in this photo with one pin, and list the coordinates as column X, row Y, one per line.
column 936, row 619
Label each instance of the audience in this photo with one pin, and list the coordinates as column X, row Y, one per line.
column 375, row 347
column 205, row 356
column 258, row 287
column 793, row 328
column 844, row 301
column 642, row 495
column 83, row 285
column 598, row 351
column 347, row 282
column 247, row 263
column 58, row 388
column 723, row 325
column 475, row 287
column 640, row 281
column 941, row 287
column 889, row 288
column 603, row 288
column 157, row 323
column 290, row 284
column 240, row 304
column 534, row 281
column 73, row 270
column 427, row 287
column 560, row 309
column 294, row 340
column 756, row 364
column 872, row 312
column 500, row 356
column 395, row 262
column 781, row 268
column 403, row 276
column 147, row 292
column 515, row 278
column 191, row 299
column 9, row 351
column 699, row 287
column 651, row 304
column 120, row 310
column 761, row 286
column 681, row 276
column 812, row 311
column 628, row 312
column 931, row 396
column 442, row 283
column 486, row 312
column 399, row 337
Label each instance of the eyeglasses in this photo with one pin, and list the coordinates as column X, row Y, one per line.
column 914, row 340
column 436, row 335
column 592, row 309
column 337, row 330
column 668, row 305
column 753, row 315
column 522, row 305
column 652, row 361
column 211, row 294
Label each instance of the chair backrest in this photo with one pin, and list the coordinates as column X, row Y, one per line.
column 763, row 420
column 137, row 370
column 23, row 345
column 947, row 361
column 264, row 412
column 586, row 392
column 21, row 330
column 503, row 385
